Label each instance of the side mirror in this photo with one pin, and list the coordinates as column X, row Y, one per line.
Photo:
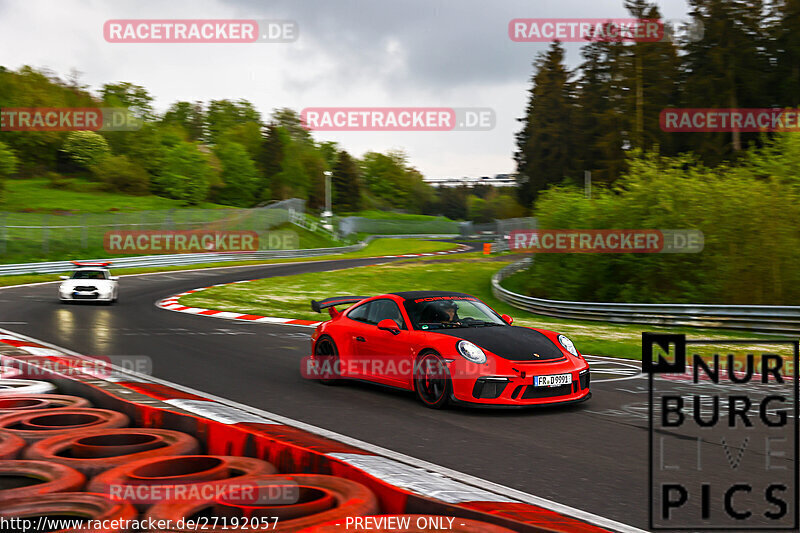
column 507, row 319
column 113, row 278
column 64, row 277
column 387, row 324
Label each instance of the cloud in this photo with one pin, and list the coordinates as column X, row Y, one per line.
column 349, row 53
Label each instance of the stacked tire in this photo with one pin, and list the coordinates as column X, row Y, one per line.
column 65, row 458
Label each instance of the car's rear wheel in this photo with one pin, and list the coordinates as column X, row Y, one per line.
column 432, row 381
column 326, row 356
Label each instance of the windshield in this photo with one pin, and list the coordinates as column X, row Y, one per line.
column 451, row 312
column 89, row 274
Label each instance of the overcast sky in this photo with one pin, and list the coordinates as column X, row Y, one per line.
column 391, row 53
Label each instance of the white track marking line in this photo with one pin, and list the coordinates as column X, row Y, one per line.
column 377, row 450
column 623, row 362
column 610, row 358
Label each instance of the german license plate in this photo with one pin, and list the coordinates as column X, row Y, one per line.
column 553, row 380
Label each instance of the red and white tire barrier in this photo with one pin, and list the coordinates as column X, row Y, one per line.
column 38, row 424
column 10, row 445
column 96, row 451
column 325, row 498
column 28, row 402
column 173, row 304
column 45, row 477
column 402, row 485
column 17, row 387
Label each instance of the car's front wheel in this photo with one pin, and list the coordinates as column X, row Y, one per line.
column 432, row 381
column 326, row 356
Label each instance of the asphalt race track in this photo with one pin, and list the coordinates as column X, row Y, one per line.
column 592, row 456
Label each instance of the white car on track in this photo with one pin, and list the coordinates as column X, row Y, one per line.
column 89, row 282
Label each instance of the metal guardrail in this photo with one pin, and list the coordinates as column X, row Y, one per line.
column 755, row 318
column 53, row 267
column 175, row 259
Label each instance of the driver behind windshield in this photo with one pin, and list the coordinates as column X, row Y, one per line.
column 450, row 312
column 444, row 313
column 91, row 274
column 441, row 312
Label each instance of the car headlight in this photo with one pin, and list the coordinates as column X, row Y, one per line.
column 568, row 345
column 470, row 352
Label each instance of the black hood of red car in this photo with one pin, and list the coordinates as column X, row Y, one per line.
column 509, row 342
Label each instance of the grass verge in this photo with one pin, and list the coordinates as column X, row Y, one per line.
column 64, row 249
column 85, row 197
column 289, row 297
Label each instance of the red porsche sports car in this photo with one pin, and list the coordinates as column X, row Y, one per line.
column 446, row 347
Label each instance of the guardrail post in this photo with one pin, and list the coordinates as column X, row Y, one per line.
column 45, row 235
column 3, row 233
column 84, row 232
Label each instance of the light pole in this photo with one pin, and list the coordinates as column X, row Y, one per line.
column 587, row 183
column 328, row 213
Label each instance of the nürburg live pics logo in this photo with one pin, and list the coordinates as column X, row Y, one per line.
column 723, row 438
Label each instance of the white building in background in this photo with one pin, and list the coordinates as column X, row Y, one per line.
column 498, row 180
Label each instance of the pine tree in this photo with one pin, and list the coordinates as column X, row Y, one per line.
column 785, row 33
column 544, row 145
column 603, row 122
column 272, row 149
column 653, row 71
column 346, row 184
column 727, row 67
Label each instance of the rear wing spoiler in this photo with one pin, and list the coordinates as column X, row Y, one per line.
column 102, row 264
column 318, row 306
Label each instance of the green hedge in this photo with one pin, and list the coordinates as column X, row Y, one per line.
column 749, row 215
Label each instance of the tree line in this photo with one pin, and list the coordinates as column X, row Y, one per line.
column 742, row 190
column 222, row 151
column 748, row 213
column 746, row 55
